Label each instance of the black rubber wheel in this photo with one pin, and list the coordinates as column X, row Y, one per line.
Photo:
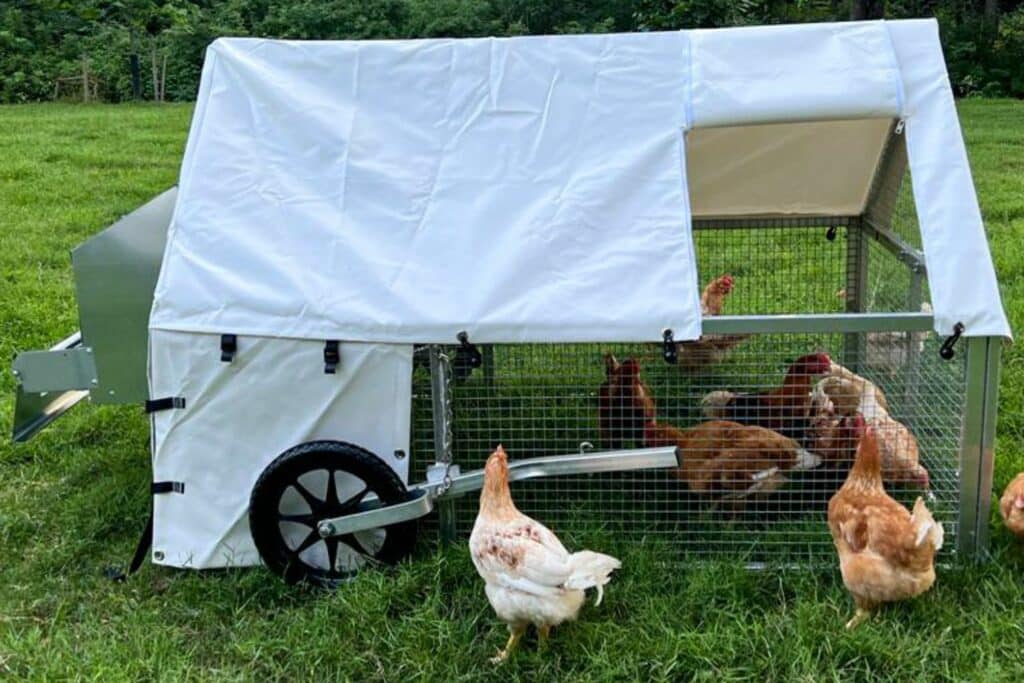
column 315, row 481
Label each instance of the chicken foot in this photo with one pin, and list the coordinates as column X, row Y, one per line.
column 859, row 617
column 515, row 635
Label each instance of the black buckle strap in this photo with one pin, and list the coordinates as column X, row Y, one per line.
column 228, row 347
column 332, row 356
column 157, row 404
column 158, row 487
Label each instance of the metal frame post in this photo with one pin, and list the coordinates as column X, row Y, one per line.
column 912, row 372
column 977, row 445
column 856, row 290
column 441, row 408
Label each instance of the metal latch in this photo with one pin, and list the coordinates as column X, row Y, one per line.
column 946, row 351
column 669, row 351
column 467, row 358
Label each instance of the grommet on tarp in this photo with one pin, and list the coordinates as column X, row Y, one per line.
column 467, row 357
column 158, row 487
column 228, row 347
column 946, row 350
column 669, row 350
column 832, row 232
column 332, row 357
column 157, row 404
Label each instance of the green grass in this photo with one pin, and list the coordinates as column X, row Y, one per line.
column 72, row 502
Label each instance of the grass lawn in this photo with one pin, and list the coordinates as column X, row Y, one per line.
column 73, row 501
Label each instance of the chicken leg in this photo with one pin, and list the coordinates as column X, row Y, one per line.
column 515, row 635
column 862, row 614
column 543, row 633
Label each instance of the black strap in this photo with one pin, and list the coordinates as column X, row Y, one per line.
column 331, row 356
column 157, row 404
column 158, row 487
column 141, row 550
column 228, row 346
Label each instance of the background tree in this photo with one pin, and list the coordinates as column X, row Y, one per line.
column 155, row 48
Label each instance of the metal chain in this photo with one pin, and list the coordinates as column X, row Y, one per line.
column 447, row 439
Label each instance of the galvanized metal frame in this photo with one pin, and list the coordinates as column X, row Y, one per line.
column 977, row 444
column 821, row 323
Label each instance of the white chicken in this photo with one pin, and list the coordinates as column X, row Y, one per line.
column 529, row 576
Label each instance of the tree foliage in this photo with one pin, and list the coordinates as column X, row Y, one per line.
column 43, row 41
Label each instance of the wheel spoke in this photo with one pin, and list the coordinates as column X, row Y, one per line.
column 312, row 501
column 352, row 542
column 356, row 499
column 306, row 519
column 312, row 539
column 332, row 554
column 332, row 490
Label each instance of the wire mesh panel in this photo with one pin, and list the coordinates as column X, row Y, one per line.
column 762, row 502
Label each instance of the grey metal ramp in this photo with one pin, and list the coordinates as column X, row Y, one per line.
column 115, row 274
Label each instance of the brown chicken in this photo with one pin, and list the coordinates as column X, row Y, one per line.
column 785, row 410
column 886, row 552
column 710, row 348
column 718, row 457
column 831, row 436
column 624, row 404
column 1011, row 506
column 849, row 394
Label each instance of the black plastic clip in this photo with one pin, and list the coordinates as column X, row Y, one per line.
column 332, row 357
column 946, row 351
column 832, row 232
column 467, row 358
column 228, row 347
column 158, row 404
column 669, row 350
column 158, row 487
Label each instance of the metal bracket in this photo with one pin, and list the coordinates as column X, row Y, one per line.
column 35, row 410
column 56, row 369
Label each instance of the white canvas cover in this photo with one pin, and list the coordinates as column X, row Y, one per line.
column 404, row 191
column 239, row 416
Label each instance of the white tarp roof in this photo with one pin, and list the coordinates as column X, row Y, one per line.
column 534, row 189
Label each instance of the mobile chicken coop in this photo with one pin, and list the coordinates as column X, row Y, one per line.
column 384, row 258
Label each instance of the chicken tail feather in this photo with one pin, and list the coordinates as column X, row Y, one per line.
column 925, row 526
column 591, row 570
